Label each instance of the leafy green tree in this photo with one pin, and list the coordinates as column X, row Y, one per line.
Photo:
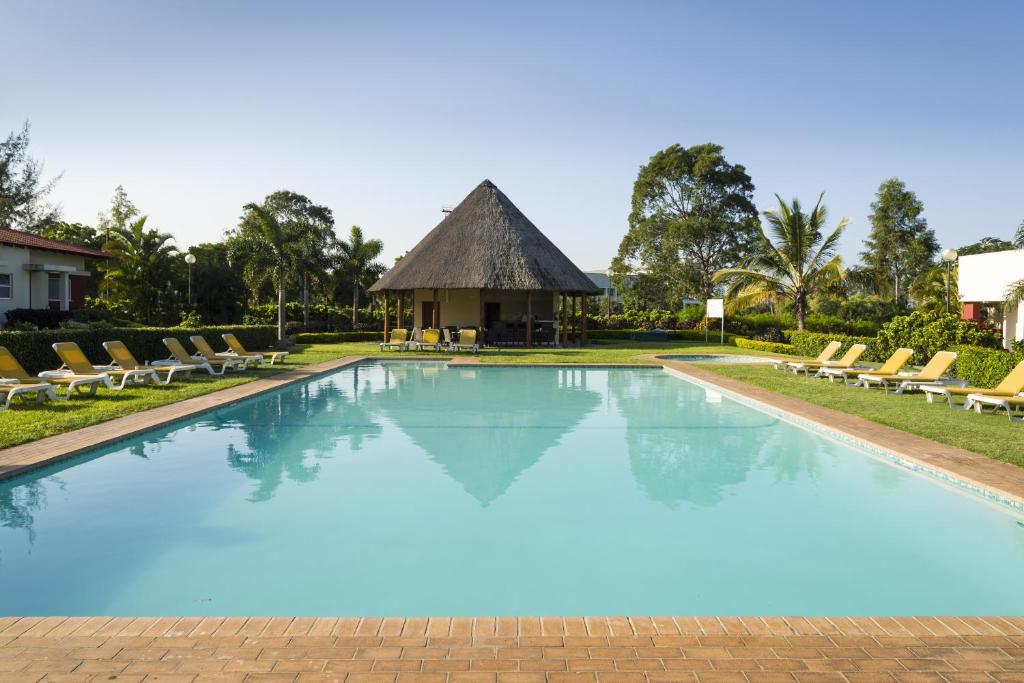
column 692, row 215
column 283, row 240
column 142, row 268
column 985, row 245
column 357, row 264
column 78, row 234
column 23, row 191
column 1018, row 238
column 928, row 291
column 900, row 245
column 801, row 263
column 122, row 213
column 217, row 289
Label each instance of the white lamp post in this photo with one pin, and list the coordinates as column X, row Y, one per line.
column 949, row 255
column 190, row 259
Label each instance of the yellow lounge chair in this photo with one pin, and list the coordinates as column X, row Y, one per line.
column 179, row 356
column 830, row 349
column 399, row 340
column 1010, row 404
column 122, row 358
column 431, row 340
column 846, row 360
column 206, row 352
column 892, row 365
column 235, row 348
column 1011, row 385
column 14, row 381
column 467, row 341
column 930, row 374
column 75, row 363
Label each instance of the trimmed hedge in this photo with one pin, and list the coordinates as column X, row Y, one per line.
column 810, row 344
column 34, row 349
column 337, row 337
column 983, row 367
column 771, row 347
column 673, row 335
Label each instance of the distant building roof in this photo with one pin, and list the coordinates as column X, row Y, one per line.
column 20, row 238
column 486, row 243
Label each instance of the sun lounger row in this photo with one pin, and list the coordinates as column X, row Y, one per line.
column 77, row 375
column 431, row 339
column 931, row 379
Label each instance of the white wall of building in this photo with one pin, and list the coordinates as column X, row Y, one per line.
column 984, row 278
column 13, row 262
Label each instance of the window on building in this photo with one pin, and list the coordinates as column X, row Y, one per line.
column 55, row 290
column 6, row 289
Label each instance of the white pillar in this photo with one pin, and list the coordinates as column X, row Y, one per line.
column 66, row 293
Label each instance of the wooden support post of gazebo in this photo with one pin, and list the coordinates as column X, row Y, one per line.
column 575, row 338
column 399, row 322
column 529, row 320
column 433, row 314
column 386, row 297
column 563, row 330
column 583, row 322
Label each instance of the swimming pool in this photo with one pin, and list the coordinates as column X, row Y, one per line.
column 416, row 488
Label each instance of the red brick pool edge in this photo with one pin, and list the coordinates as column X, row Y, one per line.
column 514, row 649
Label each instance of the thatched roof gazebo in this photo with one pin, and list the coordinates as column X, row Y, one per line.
column 487, row 266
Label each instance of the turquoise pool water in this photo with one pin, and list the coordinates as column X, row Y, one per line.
column 415, row 489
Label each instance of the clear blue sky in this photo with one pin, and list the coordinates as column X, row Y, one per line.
column 387, row 111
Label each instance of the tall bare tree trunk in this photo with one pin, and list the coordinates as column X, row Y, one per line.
column 281, row 304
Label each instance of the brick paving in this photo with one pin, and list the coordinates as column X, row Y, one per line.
column 514, row 649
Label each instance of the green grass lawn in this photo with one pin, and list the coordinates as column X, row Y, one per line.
column 988, row 434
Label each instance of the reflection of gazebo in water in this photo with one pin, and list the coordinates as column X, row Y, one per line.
column 484, row 438
column 487, row 266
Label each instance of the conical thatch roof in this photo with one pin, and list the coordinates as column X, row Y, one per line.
column 486, row 243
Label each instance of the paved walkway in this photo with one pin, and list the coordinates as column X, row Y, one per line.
column 514, row 650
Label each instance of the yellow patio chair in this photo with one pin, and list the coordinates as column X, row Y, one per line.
column 123, row 358
column 235, row 347
column 179, row 356
column 1010, row 404
column 831, row 349
column 76, row 372
column 431, row 340
column 890, row 367
column 206, row 352
column 846, row 362
column 1011, row 385
column 399, row 340
column 930, row 374
column 14, row 381
column 467, row 341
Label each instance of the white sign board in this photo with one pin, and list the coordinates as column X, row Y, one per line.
column 716, row 308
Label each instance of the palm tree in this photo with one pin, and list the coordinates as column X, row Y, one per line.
column 928, row 290
column 798, row 265
column 357, row 263
column 143, row 264
column 1018, row 239
column 264, row 245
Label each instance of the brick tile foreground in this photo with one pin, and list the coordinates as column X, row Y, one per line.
column 514, row 650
